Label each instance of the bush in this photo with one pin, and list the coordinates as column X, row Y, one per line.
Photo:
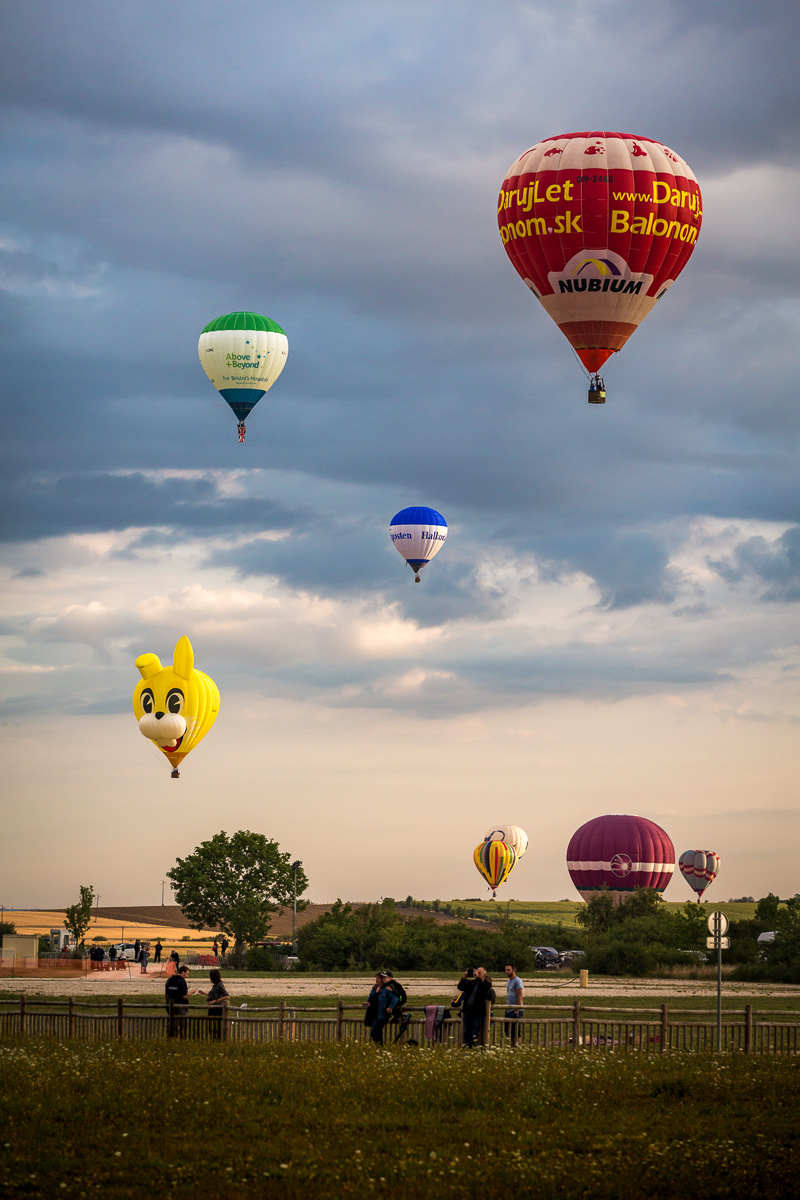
column 621, row 958
column 259, row 958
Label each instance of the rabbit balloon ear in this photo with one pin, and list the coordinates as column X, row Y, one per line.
column 148, row 665
column 183, row 658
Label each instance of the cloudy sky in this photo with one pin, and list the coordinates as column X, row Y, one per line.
column 613, row 623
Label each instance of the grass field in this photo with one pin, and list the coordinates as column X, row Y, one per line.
column 304, row 1122
column 553, row 912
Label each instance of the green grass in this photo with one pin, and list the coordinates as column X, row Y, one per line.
column 304, row 1122
column 551, row 912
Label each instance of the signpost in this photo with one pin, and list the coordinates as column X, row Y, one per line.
column 718, row 927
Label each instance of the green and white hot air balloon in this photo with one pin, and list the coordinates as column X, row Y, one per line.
column 243, row 354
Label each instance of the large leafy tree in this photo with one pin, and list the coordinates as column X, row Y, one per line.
column 235, row 884
column 78, row 916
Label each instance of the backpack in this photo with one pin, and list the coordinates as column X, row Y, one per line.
column 399, row 991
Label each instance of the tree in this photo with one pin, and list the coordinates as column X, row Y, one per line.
column 767, row 909
column 598, row 912
column 78, row 916
column 235, row 884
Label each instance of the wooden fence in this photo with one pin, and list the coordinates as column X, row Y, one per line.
column 574, row 1026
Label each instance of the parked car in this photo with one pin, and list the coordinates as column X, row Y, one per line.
column 545, row 957
column 126, row 950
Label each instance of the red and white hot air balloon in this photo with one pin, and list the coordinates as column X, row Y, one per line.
column 599, row 226
column 622, row 854
column 699, row 868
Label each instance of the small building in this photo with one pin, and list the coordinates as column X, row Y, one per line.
column 18, row 947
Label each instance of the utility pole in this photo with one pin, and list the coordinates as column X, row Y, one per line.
column 295, row 867
column 163, row 882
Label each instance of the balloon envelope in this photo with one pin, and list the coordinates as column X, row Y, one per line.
column 699, row 868
column 174, row 705
column 512, row 835
column 621, row 853
column 243, row 354
column 418, row 533
column 599, row 226
column 495, row 861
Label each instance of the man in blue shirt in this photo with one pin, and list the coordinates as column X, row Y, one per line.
column 514, row 1009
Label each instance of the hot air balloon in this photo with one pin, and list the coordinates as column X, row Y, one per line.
column 599, row 225
column 243, row 354
column 622, row 854
column 699, row 868
column 512, row 835
column 176, row 705
column 495, row 861
column 418, row 534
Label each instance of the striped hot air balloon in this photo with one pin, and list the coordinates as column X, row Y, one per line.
column 699, row 868
column 622, row 854
column 495, row 861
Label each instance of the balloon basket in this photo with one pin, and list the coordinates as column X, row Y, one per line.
column 175, row 774
column 597, row 390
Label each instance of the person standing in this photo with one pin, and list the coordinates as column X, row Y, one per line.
column 474, row 1008
column 382, row 1001
column 400, row 1017
column 144, row 955
column 112, row 954
column 515, row 990
column 137, row 949
column 224, row 945
column 215, row 947
column 216, row 1010
column 176, row 994
column 159, row 948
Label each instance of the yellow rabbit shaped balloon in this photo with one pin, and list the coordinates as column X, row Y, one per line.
column 176, row 705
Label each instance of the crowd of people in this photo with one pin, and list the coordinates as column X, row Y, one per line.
column 386, row 1005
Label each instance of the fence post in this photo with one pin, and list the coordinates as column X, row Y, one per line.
column 71, row 1018
column 576, row 1024
column 486, row 1024
column 748, row 1029
column 664, row 1028
column 281, row 1018
column 226, row 1019
column 339, row 1020
column 120, row 1020
column 22, row 1017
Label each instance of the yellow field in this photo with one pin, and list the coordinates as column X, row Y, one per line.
column 29, row 921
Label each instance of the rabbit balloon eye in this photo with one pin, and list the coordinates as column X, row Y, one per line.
column 175, row 701
column 147, row 701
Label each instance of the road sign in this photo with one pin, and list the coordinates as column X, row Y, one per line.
column 718, row 923
column 721, row 943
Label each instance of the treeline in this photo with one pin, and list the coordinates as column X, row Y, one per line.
column 375, row 935
column 451, row 908
column 643, row 934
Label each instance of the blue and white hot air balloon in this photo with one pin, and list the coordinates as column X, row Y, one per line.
column 418, row 534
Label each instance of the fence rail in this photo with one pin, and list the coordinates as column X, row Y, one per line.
column 572, row 1027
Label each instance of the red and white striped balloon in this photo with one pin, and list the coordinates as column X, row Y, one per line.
column 699, row 868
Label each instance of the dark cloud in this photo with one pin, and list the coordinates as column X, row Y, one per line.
column 99, row 503
column 773, row 565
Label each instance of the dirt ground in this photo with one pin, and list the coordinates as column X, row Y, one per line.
column 333, row 986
